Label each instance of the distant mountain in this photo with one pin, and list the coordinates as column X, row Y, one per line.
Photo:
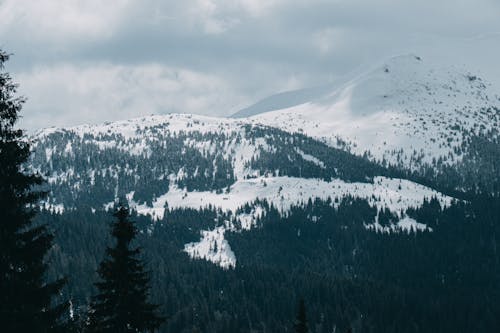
column 406, row 112
column 284, row 100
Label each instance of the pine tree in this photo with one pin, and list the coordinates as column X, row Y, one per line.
column 301, row 318
column 26, row 299
column 121, row 305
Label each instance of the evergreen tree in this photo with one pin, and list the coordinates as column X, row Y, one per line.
column 26, row 299
column 301, row 318
column 121, row 305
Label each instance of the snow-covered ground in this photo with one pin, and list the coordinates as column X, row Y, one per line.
column 283, row 193
column 170, row 124
column 213, row 247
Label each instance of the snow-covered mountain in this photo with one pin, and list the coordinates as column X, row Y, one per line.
column 406, row 112
column 235, row 167
column 373, row 138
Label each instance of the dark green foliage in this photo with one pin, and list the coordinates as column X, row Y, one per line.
column 300, row 324
column 25, row 296
column 440, row 281
column 288, row 158
column 121, row 305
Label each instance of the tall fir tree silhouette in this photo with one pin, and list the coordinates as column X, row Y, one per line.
column 300, row 325
column 26, row 299
column 122, row 302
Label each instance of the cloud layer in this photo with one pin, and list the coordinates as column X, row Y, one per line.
column 91, row 61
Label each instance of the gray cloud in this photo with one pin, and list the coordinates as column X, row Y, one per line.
column 90, row 61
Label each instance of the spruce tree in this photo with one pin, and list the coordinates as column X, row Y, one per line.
column 26, row 298
column 122, row 302
column 301, row 318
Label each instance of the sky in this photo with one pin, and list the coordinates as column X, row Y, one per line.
column 93, row 61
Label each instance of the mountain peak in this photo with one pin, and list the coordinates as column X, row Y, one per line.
column 404, row 110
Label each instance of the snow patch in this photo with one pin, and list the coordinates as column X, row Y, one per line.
column 310, row 158
column 406, row 224
column 214, row 248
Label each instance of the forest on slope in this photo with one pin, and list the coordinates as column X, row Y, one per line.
column 440, row 281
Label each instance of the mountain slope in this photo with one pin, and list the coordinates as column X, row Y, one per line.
column 406, row 112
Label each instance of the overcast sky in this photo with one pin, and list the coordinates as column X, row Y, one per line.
column 87, row 61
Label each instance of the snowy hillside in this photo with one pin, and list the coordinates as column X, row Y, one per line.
column 163, row 163
column 406, row 112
